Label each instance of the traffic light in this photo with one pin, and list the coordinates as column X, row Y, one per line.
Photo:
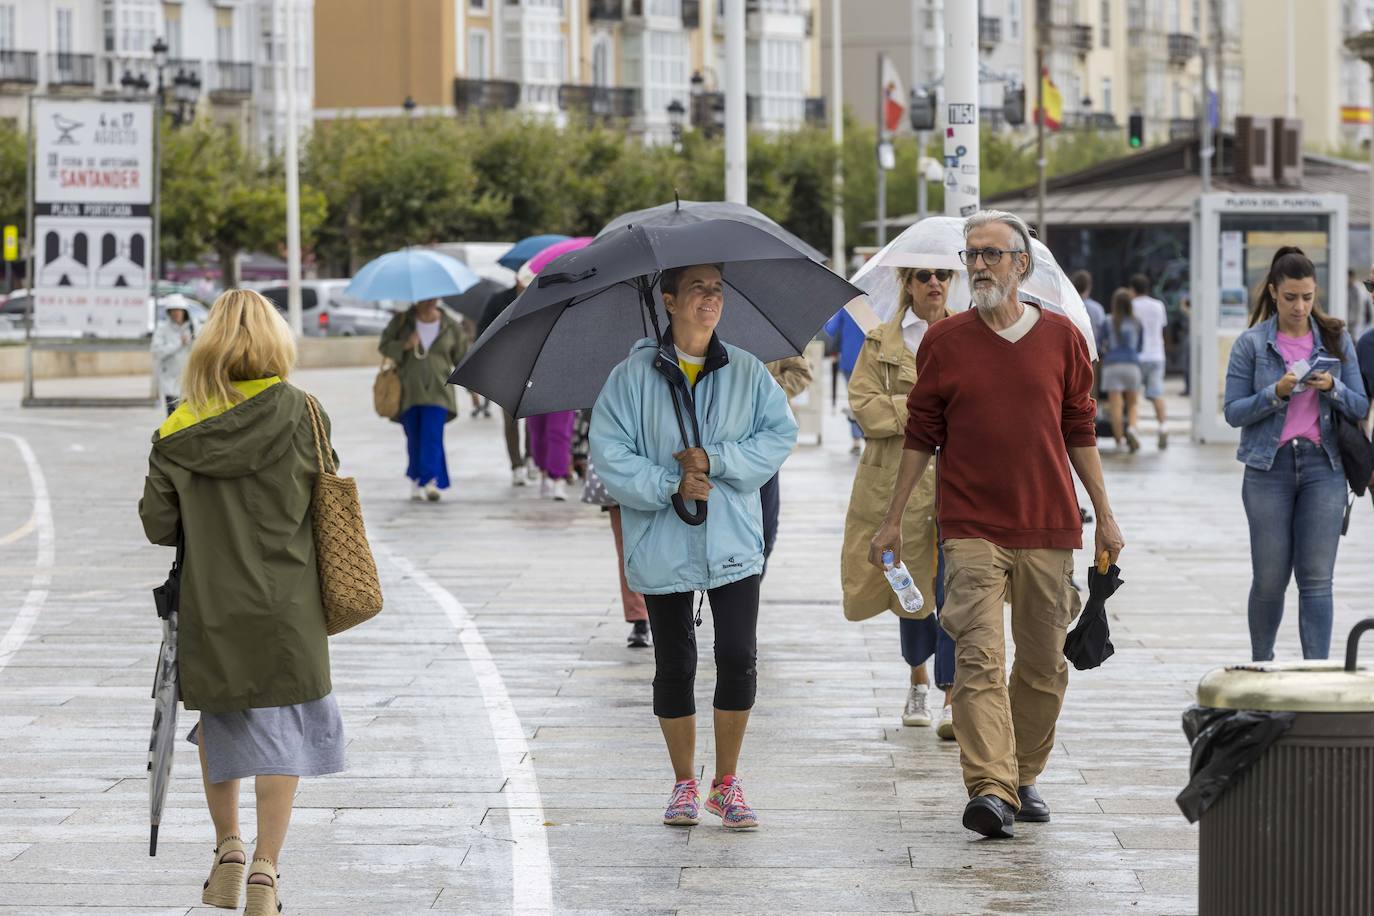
column 922, row 110
column 1135, row 133
column 1014, row 106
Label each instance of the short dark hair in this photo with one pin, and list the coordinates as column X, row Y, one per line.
column 1141, row 284
column 1082, row 281
column 670, row 278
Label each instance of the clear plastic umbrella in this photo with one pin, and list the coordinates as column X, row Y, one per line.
column 935, row 242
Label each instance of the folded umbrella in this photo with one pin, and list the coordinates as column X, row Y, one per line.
column 1089, row 644
column 527, row 248
column 682, row 212
column 935, row 242
column 471, row 303
column 166, row 695
column 554, row 347
column 412, row 275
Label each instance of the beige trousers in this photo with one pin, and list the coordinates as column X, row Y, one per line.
column 1006, row 730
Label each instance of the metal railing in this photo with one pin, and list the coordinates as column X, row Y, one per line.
column 613, row 10
column 1182, row 48
column 989, row 32
column 66, row 69
column 485, row 95
column 19, row 67
column 1081, row 38
column 231, row 78
column 599, row 102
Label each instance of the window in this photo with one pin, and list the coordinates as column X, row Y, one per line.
column 601, row 61
column 171, row 29
column 1197, row 18
column 6, row 27
column 665, row 71
column 1176, row 15
column 479, row 67
column 477, row 6
column 1106, row 106
column 107, row 17
column 1014, row 18
column 64, row 31
column 784, row 98
column 1106, row 23
column 665, row 8
column 224, row 33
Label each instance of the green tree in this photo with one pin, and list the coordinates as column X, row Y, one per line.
column 14, row 159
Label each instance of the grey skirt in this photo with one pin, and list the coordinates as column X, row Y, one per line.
column 306, row 739
column 1121, row 377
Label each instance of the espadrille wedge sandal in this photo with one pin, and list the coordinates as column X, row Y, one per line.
column 225, row 883
column 262, row 898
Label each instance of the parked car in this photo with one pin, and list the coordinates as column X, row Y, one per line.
column 327, row 312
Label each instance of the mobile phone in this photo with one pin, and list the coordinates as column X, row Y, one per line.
column 1322, row 364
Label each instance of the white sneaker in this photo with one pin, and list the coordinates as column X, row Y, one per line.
column 946, row 727
column 531, row 469
column 917, row 711
column 432, row 492
column 560, row 491
column 545, row 488
column 417, row 492
column 517, row 477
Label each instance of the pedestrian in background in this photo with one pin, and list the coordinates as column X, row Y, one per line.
column 631, row 601
column 231, row 472
column 171, row 349
column 1295, row 486
column 637, row 450
column 550, row 438
column 793, row 375
column 1097, row 315
column 521, row 469
column 1154, row 319
column 1004, row 379
column 426, row 343
column 849, row 340
column 1358, row 306
column 1121, row 373
column 878, row 391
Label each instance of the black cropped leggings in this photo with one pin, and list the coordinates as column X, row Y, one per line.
column 735, row 610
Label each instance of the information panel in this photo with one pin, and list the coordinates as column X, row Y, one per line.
column 92, row 226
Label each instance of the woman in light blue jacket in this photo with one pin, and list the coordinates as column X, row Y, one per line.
column 1294, row 490
column 746, row 431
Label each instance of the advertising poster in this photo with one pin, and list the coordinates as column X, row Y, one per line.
column 93, row 225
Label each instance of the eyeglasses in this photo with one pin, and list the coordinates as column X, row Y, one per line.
column 923, row 276
column 969, row 256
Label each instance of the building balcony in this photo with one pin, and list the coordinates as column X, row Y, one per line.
column 691, row 14
column 1182, row 48
column 1091, row 120
column 231, row 81
column 18, row 69
column 599, row 103
column 71, row 70
column 1182, row 128
column 708, row 111
column 606, row 10
column 1081, row 38
column 989, row 32
column 485, row 95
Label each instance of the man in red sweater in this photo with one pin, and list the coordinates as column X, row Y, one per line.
column 1004, row 394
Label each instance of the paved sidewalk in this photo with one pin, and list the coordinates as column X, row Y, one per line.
column 503, row 752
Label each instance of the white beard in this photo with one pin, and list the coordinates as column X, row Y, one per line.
column 988, row 298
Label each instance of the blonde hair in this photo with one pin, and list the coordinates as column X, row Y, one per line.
column 244, row 338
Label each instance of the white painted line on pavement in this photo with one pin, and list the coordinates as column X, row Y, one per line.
column 42, row 573
column 531, row 871
column 19, row 533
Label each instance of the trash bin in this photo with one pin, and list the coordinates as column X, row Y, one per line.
column 1294, row 834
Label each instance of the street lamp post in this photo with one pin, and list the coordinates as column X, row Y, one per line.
column 1362, row 46
column 677, row 113
column 159, row 61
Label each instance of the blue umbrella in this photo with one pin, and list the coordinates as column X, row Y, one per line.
column 527, row 248
column 412, row 275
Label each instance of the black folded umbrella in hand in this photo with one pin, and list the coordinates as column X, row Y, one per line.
column 1089, row 644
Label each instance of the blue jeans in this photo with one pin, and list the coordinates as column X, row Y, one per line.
column 1295, row 510
column 923, row 638
column 424, row 426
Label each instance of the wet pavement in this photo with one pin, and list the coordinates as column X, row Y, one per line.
column 503, row 755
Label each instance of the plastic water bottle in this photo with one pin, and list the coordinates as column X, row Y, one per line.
column 902, row 584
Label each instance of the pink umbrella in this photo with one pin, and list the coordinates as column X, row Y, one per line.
column 553, row 252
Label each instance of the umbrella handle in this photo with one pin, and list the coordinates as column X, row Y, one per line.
column 680, row 505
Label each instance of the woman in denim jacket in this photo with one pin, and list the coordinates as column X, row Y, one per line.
column 1294, row 490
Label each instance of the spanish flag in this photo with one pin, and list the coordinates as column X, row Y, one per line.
column 1053, row 100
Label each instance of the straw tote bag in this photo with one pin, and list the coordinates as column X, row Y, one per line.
column 386, row 391
column 349, row 588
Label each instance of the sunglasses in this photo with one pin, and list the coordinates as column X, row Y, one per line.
column 923, row 276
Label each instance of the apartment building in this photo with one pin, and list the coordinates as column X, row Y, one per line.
column 222, row 58
column 656, row 65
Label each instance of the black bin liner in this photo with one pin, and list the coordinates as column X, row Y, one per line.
column 1226, row 743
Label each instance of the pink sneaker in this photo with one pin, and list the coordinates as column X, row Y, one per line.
column 684, row 808
column 726, row 801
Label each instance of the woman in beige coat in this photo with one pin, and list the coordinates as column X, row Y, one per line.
column 878, row 389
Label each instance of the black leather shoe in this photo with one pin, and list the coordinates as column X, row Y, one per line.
column 1033, row 807
column 639, row 635
column 990, row 816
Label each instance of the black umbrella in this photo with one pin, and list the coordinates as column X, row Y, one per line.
column 554, row 347
column 471, row 303
column 682, row 212
column 1090, row 644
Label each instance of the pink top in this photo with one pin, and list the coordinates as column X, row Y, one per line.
column 1302, row 420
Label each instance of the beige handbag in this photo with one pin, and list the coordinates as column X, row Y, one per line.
column 386, row 391
column 349, row 588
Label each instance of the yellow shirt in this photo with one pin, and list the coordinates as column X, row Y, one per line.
column 184, row 417
column 691, row 367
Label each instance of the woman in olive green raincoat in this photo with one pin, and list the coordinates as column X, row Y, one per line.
column 231, row 471
column 878, row 387
column 425, row 343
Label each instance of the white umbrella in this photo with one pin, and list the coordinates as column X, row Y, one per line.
column 935, row 242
